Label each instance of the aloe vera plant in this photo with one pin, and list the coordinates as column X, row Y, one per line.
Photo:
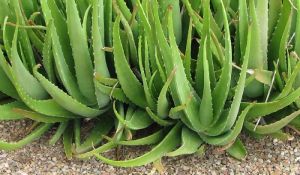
column 177, row 75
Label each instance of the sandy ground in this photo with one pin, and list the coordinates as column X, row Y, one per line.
column 267, row 156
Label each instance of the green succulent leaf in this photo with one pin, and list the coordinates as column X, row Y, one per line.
column 65, row 100
column 237, row 150
column 273, row 127
column 129, row 83
column 166, row 145
column 191, row 142
column 38, row 132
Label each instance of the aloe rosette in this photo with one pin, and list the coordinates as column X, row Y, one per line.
column 205, row 95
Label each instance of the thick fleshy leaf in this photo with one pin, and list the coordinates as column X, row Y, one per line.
column 148, row 140
column 273, row 127
column 180, row 87
column 38, row 117
column 231, row 135
column 65, row 100
column 58, row 133
column 81, row 54
column 102, row 127
column 129, row 83
column 38, row 132
column 7, row 113
column 166, row 145
column 139, row 119
column 67, row 141
column 191, row 142
column 23, row 76
column 237, row 150
column 263, row 109
column 113, row 92
column 220, row 92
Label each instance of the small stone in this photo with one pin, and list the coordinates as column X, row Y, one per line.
column 185, row 168
column 213, row 173
column 5, row 165
column 269, row 156
column 21, row 173
column 3, row 155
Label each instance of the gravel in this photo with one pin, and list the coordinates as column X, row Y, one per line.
column 266, row 156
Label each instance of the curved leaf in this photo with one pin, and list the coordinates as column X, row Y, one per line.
column 30, row 138
column 167, row 144
column 65, row 100
column 129, row 83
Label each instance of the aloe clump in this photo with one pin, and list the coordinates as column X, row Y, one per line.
column 177, row 75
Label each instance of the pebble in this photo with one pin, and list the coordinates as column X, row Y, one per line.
column 185, row 168
column 3, row 155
